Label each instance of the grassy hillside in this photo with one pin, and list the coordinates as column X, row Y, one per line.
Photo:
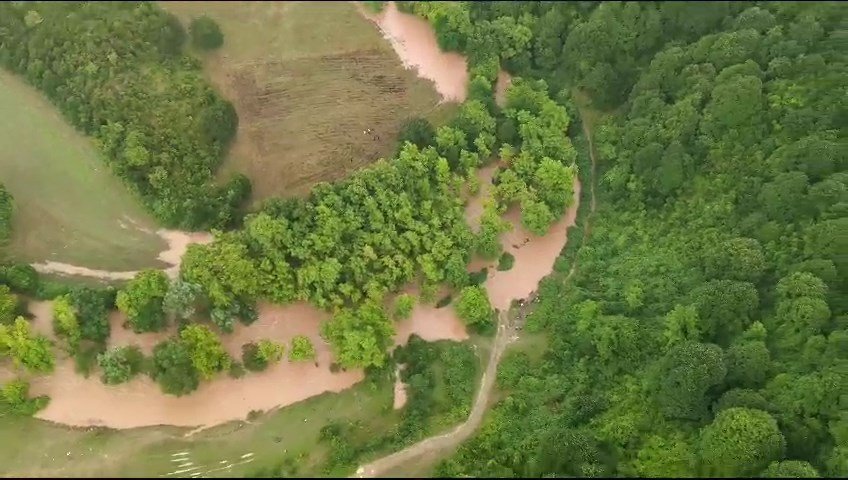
column 68, row 205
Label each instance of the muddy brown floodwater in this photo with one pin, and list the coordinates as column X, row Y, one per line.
column 79, row 401
column 88, row 402
column 534, row 255
column 415, row 43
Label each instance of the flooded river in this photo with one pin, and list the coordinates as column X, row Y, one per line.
column 88, row 402
column 416, row 45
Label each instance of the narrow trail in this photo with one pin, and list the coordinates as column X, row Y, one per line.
column 506, row 334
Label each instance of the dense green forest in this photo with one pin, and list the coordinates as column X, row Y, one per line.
column 117, row 72
column 705, row 330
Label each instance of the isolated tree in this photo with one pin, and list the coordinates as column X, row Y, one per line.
column 205, row 33
column 65, row 322
column 488, row 239
column 473, row 306
column 301, row 349
column 740, row 442
column 26, row 350
column 205, row 350
column 141, row 300
column 120, row 364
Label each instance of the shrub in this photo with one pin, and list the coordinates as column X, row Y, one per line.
column 257, row 356
column 473, row 306
column 237, row 370
column 403, row 307
column 6, row 206
column 119, row 365
column 505, row 262
column 418, row 131
column 301, row 349
column 14, row 398
column 205, row 33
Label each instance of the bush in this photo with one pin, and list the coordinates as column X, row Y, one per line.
column 506, row 262
column 205, row 33
column 6, row 206
column 257, row 356
column 251, row 358
column 301, row 349
column 237, row 370
column 403, row 307
column 473, row 306
column 479, row 277
column 119, row 365
column 14, row 398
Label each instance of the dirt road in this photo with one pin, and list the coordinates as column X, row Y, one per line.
column 452, row 439
column 505, row 335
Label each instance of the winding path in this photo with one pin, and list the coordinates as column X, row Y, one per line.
column 506, row 334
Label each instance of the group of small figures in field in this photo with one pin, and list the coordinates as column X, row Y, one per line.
column 370, row 131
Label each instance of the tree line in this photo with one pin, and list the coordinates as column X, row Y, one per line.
column 117, row 72
column 704, row 330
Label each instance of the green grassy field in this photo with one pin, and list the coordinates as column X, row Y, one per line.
column 307, row 78
column 268, row 439
column 68, row 206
